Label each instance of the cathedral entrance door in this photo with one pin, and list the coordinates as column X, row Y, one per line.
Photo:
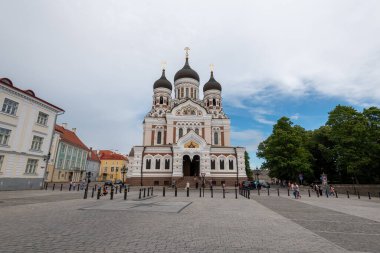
column 191, row 167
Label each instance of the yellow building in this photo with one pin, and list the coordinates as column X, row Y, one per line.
column 111, row 165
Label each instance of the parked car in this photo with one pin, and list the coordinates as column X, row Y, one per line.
column 264, row 184
column 249, row 185
column 118, row 181
column 108, row 182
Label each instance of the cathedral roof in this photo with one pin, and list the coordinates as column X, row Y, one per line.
column 162, row 82
column 186, row 72
column 212, row 84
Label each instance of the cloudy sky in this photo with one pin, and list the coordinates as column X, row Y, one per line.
column 99, row 59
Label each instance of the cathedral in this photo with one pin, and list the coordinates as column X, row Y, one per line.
column 186, row 139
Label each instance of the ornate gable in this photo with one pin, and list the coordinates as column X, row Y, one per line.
column 189, row 108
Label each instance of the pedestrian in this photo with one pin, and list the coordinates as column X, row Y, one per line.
column 297, row 191
column 187, row 185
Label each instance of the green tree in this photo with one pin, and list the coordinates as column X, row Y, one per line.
column 285, row 152
column 248, row 170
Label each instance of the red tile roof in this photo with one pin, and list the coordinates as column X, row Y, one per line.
column 70, row 137
column 93, row 156
column 110, row 155
column 30, row 93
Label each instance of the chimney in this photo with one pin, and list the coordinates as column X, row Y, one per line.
column 74, row 130
column 64, row 125
column 90, row 153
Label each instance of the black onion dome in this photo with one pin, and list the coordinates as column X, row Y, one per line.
column 186, row 72
column 162, row 82
column 212, row 84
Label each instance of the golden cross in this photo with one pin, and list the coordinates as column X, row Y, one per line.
column 212, row 67
column 187, row 49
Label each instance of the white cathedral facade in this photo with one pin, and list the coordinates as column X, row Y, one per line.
column 186, row 138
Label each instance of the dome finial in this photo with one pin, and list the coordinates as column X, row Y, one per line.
column 187, row 49
column 163, row 65
column 212, row 67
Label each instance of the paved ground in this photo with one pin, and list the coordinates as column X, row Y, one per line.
column 46, row 221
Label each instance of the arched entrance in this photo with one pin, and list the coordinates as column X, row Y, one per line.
column 191, row 167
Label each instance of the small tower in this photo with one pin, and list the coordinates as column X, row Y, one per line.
column 186, row 81
column 162, row 90
column 212, row 92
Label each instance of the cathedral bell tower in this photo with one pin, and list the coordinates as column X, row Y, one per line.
column 186, row 81
column 212, row 92
column 162, row 90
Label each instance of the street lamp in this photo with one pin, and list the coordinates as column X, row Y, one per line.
column 124, row 171
column 203, row 179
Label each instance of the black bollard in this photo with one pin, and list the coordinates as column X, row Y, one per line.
column 144, row 192
column 70, row 187
column 175, row 191
column 309, row 192
column 78, row 188
column 278, row 192
column 125, row 193
column 288, row 192
column 369, row 195
column 152, row 190
column 235, row 193
column 224, row 193
column 93, row 191
column 268, row 191
column 249, row 194
column 148, row 191
column 119, row 189
column 128, row 188
column 317, row 193
column 203, row 192
column 212, row 192
column 163, row 191
column 348, row 195
column 46, row 186
column 111, row 196
column 358, row 195
column 53, row 187
column 188, row 191
column 140, row 193
column 85, row 193
column 61, row 186
column 98, row 195
column 200, row 192
column 116, row 187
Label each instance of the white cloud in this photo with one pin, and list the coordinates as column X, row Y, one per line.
column 295, row 116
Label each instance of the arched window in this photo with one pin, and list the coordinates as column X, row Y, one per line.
column 161, row 100
column 158, row 164
column 180, row 132
column 182, row 92
column 167, row 164
column 208, row 103
column 213, row 164
column 147, row 166
column 231, row 164
column 187, row 92
column 197, row 131
column 221, row 163
column 216, row 138
column 191, row 93
column 195, row 94
column 213, row 102
column 159, row 135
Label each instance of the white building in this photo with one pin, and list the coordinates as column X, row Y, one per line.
column 26, row 129
column 186, row 138
column 93, row 165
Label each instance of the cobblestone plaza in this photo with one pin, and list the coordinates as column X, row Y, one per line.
column 54, row 221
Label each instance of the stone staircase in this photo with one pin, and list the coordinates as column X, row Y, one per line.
column 181, row 182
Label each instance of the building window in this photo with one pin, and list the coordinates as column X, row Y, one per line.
column 187, row 92
column 10, row 106
column 213, row 102
column 159, row 135
column 4, row 136
column 213, row 164
column 1, row 161
column 180, row 132
column 117, row 169
column 37, row 143
column 42, row 118
column 221, row 164
column 105, row 169
column 147, row 166
column 111, row 176
column 158, row 164
column 208, row 103
column 112, row 169
column 156, row 183
column 195, row 94
column 31, row 166
column 191, row 93
column 182, row 92
column 216, row 138
column 167, row 164
column 161, row 100
column 230, row 164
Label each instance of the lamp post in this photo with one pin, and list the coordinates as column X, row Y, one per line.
column 124, row 171
column 203, row 179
